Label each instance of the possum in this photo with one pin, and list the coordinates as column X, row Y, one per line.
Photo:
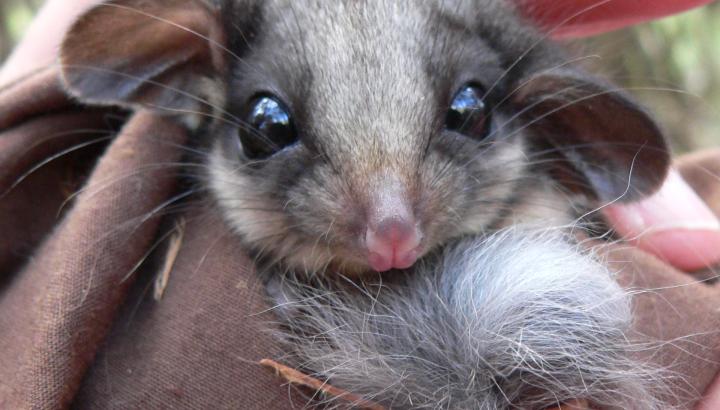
column 402, row 173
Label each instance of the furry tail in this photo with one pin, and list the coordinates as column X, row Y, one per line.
column 516, row 320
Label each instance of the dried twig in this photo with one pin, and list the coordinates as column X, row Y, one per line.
column 161, row 280
column 299, row 378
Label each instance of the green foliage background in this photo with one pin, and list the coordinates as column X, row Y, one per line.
column 16, row 15
column 672, row 65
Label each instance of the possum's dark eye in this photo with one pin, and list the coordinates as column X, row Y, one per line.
column 268, row 128
column 468, row 113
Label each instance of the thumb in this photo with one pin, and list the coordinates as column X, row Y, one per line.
column 673, row 224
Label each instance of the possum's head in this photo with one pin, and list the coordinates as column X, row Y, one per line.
column 363, row 134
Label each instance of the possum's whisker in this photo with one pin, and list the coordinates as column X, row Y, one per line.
column 549, row 32
column 568, row 104
column 100, row 185
column 51, row 158
column 196, row 112
column 236, row 121
column 620, row 196
column 500, row 104
column 176, row 90
column 181, row 27
column 147, row 254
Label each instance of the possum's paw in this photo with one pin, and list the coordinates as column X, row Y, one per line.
column 516, row 320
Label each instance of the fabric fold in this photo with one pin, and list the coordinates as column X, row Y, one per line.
column 60, row 307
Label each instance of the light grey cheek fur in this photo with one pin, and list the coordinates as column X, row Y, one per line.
column 520, row 319
column 257, row 219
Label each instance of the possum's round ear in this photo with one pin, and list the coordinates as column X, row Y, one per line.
column 602, row 139
column 152, row 53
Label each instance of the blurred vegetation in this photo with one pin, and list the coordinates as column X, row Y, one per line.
column 671, row 65
column 16, row 15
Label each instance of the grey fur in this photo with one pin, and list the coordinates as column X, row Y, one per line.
column 520, row 319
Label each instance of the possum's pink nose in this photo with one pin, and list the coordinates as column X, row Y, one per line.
column 392, row 243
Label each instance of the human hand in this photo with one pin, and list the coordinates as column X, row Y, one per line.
column 582, row 18
column 673, row 224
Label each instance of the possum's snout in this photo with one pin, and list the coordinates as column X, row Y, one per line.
column 394, row 242
column 517, row 320
column 393, row 235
